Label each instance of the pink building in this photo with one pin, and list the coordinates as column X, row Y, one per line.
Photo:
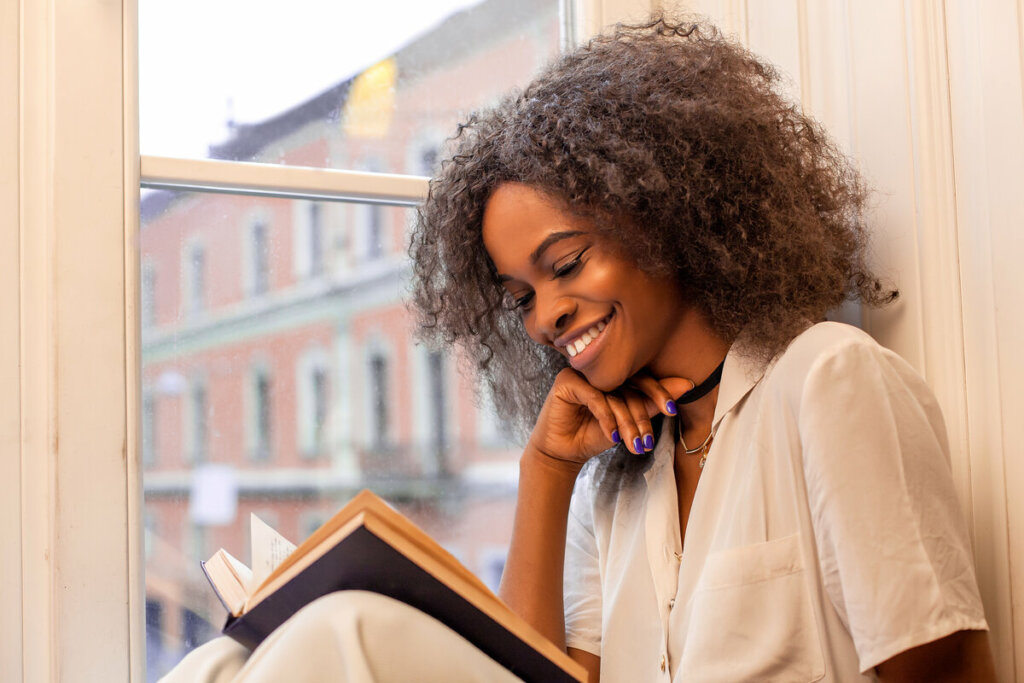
column 280, row 374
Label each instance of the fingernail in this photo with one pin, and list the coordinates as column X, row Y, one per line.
column 638, row 445
column 671, row 407
column 649, row 441
column 615, row 436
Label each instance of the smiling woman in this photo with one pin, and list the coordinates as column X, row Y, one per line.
column 650, row 215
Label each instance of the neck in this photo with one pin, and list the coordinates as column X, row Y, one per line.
column 692, row 351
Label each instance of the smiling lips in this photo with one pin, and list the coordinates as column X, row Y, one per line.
column 575, row 347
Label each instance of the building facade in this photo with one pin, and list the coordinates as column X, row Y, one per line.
column 280, row 370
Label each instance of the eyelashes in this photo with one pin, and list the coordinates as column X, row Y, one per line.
column 522, row 303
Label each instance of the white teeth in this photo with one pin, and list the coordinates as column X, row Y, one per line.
column 573, row 348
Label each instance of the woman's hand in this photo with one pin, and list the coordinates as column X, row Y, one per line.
column 578, row 421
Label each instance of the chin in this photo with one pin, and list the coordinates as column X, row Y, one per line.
column 603, row 381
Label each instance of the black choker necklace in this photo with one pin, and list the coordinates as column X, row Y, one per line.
column 704, row 387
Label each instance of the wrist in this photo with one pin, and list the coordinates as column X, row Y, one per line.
column 536, row 460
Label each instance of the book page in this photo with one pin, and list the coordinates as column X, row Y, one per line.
column 269, row 549
column 242, row 573
column 229, row 579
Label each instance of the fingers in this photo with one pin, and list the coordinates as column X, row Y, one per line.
column 582, row 393
column 631, row 415
column 661, row 393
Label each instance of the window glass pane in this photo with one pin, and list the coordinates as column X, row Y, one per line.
column 286, row 399
column 365, row 86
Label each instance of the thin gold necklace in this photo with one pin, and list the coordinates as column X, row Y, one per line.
column 689, row 397
column 702, row 449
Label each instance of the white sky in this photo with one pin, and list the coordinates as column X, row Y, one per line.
column 262, row 56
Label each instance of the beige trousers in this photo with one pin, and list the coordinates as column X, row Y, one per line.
column 346, row 637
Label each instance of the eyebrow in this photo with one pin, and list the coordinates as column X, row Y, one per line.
column 542, row 247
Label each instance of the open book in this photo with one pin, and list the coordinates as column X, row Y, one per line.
column 367, row 545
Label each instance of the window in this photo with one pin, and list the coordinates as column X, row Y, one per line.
column 149, row 428
column 437, row 404
column 259, row 414
column 313, row 404
column 262, row 415
column 378, row 400
column 154, row 630
column 319, row 406
column 259, row 257
column 196, row 448
column 148, row 295
column 315, row 240
column 312, row 385
column 310, row 246
column 195, row 279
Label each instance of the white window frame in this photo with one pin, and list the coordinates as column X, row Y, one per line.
column 71, row 531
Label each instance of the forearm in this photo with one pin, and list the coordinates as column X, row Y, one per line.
column 962, row 656
column 532, row 581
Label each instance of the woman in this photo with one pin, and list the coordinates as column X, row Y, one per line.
column 637, row 251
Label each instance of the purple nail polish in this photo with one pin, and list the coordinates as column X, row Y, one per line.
column 638, row 445
column 649, row 441
column 671, row 407
column 615, row 436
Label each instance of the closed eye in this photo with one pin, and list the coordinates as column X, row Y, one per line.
column 522, row 303
column 570, row 267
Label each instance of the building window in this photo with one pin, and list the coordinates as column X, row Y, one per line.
column 195, row 629
column 259, row 257
column 260, row 426
column 374, row 214
column 309, row 239
column 198, row 433
column 154, row 631
column 148, row 296
column 313, row 404
column 438, row 400
column 319, row 405
column 195, row 279
column 379, row 399
column 149, row 426
column 316, row 240
column 428, row 161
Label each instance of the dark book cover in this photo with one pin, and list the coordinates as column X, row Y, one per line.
column 363, row 561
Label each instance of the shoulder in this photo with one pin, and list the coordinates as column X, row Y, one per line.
column 833, row 357
column 834, row 374
column 821, row 341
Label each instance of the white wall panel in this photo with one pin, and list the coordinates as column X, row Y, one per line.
column 926, row 97
column 984, row 48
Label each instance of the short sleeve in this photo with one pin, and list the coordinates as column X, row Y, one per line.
column 582, row 578
column 891, row 539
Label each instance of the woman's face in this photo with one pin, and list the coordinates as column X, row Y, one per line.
column 575, row 290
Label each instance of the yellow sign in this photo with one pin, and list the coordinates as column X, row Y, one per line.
column 371, row 101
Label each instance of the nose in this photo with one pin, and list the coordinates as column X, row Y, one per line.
column 553, row 314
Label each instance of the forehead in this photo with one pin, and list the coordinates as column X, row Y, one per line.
column 517, row 219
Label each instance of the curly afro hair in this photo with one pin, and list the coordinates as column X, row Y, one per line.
column 672, row 141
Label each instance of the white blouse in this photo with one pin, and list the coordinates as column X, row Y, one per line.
column 825, row 535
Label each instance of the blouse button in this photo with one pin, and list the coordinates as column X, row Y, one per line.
column 663, row 662
column 671, row 603
column 679, row 557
